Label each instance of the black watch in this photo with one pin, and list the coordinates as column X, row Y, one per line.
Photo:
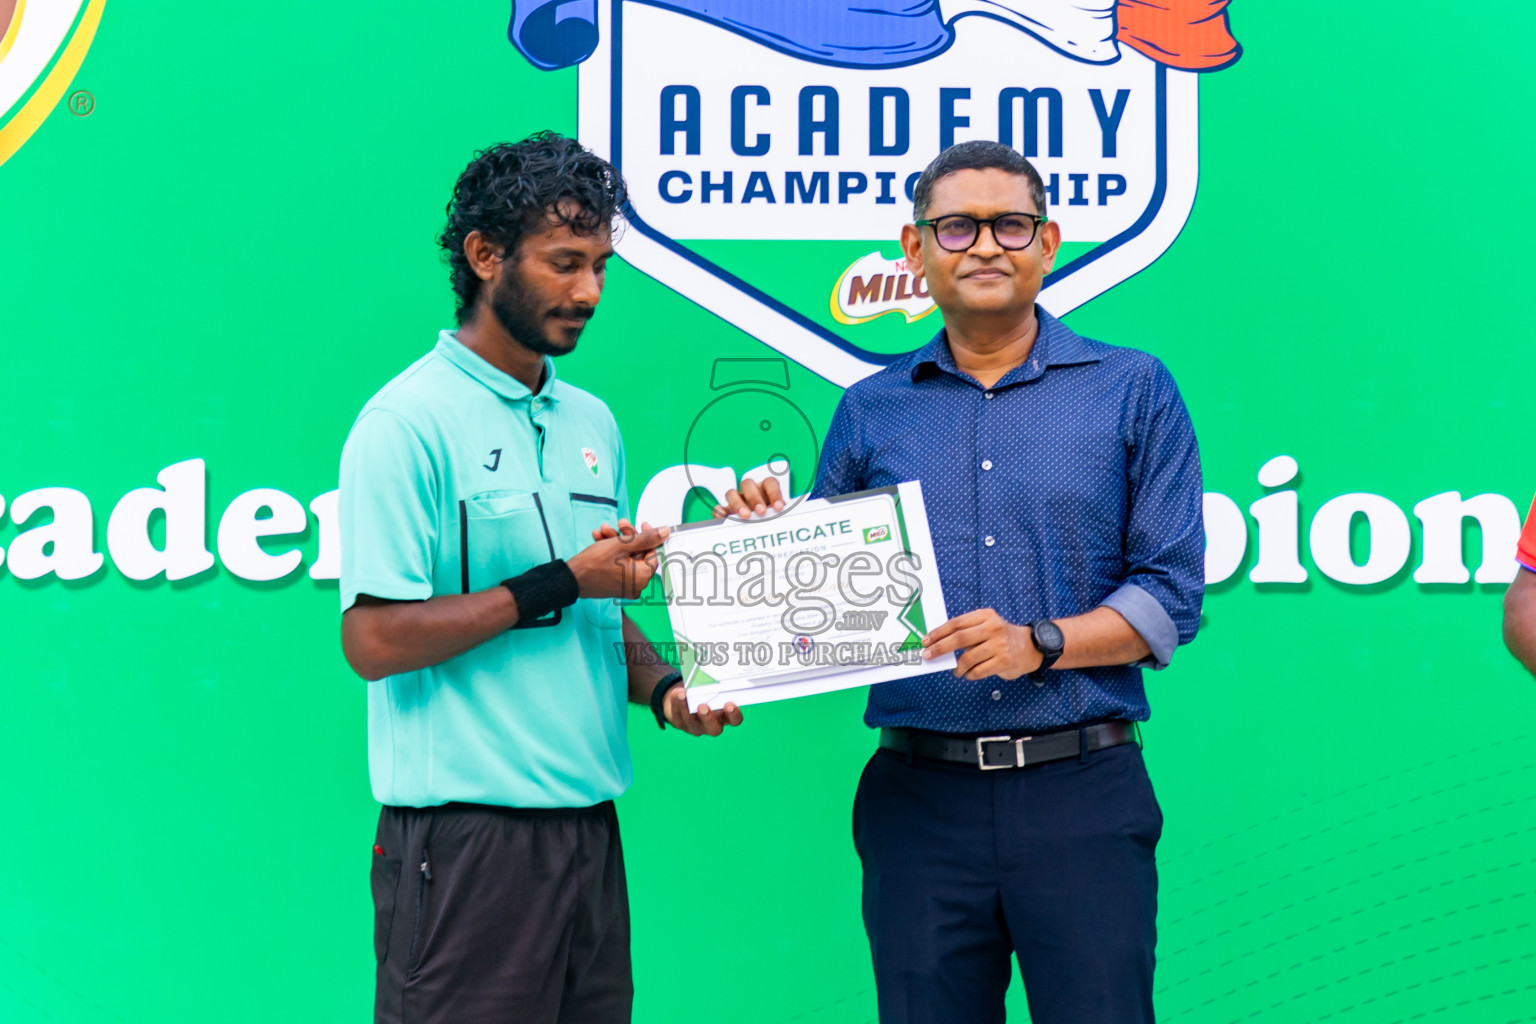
column 1049, row 641
column 659, row 696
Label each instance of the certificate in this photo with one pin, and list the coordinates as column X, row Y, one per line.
column 830, row 593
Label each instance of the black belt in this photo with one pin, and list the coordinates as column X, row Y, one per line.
column 1007, row 751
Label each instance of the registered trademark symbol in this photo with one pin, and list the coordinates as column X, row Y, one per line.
column 81, row 103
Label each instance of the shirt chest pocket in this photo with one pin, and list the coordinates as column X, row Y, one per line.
column 588, row 512
column 502, row 534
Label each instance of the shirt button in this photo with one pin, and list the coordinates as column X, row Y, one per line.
column 997, row 694
column 989, row 394
column 989, row 541
column 986, row 463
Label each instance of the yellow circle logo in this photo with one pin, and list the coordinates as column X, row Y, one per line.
column 42, row 44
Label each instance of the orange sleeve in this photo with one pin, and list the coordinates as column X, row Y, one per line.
column 1527, row 551
column 1192, row 35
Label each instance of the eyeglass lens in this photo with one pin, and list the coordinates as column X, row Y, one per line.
column 958, row 233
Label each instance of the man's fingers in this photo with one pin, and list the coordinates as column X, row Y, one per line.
column 736, row 504
column 977, row 657
column 943, row 630
column 971, row 658
column 649, row 555
column 968, row 637
column 933, row 648
column 680, row 716
column 707, row 721
column 644, row 540
column 958, row 622
column 639, row 578
column 687, row 720
column 986, row 665
column 752, row 497
column 752, row 494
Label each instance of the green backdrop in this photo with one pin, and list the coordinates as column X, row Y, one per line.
column 235, row 249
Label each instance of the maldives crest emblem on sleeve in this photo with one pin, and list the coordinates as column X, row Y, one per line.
column 771, row 149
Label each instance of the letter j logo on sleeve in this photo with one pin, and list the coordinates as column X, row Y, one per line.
column 772, row 149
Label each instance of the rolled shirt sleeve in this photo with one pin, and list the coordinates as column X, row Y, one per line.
column 388, row 511
column 1164, row 584
column 1149, row 619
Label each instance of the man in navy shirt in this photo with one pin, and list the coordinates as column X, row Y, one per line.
column 1008, row 811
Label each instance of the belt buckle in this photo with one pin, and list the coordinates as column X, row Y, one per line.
column 981, row 752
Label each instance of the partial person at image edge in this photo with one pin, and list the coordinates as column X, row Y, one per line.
column 1520, row 599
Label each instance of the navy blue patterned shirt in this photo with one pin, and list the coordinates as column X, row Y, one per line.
column 1073, row 482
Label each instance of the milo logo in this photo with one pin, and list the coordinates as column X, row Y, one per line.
column 874, row 534
column 752, row 131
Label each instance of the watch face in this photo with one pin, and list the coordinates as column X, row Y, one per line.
column 1048, row 636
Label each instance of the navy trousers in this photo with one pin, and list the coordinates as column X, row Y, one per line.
column 1052, row 863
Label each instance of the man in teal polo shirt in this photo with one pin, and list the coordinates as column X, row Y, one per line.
column 486, row 618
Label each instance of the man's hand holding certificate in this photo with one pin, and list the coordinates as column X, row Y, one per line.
column 769, row 602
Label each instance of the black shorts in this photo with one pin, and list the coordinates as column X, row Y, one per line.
column 498, row 914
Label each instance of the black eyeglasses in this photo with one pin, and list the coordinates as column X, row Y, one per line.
column 957, row 232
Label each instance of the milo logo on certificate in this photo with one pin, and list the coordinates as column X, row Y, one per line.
column 874, row 534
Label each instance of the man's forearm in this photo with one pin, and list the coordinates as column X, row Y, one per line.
column 644, row 664
column 1101, row 637
column 385, row 638
column 1520, row 618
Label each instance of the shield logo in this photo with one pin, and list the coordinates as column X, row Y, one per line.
column 771, row 149
column 42, row 45
column 590, row 458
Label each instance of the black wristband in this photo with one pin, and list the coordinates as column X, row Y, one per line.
column 543, row 589
column 659, row 696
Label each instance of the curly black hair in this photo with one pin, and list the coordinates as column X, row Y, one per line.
column 510, row 187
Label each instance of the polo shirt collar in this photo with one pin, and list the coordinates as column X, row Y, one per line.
column 502, row 383
column 1056, row 344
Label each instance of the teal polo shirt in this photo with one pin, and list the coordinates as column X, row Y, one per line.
column 455, row 477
